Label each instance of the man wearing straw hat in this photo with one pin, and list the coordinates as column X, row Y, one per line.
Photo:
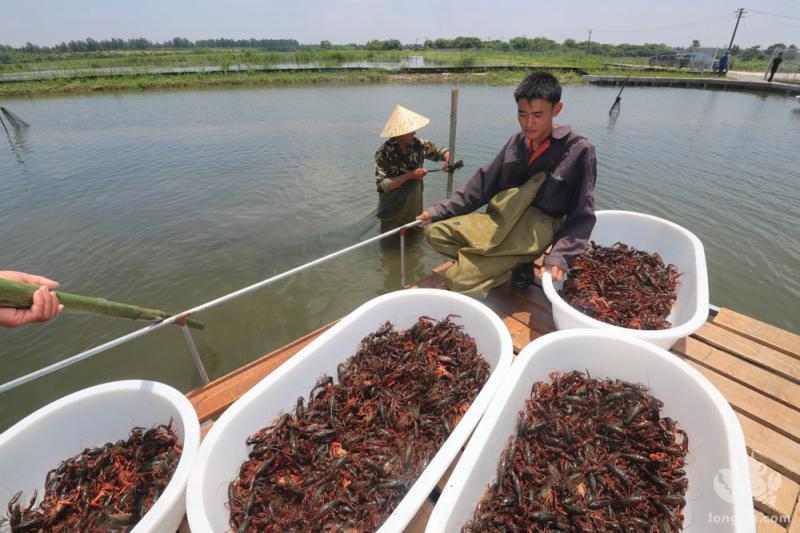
column 539, row 191
column 398, row 168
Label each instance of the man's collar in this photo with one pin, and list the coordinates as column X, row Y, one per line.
column 560, row 132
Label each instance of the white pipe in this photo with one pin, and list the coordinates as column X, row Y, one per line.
column 202, row 307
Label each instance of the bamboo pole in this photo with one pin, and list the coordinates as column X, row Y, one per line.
column 20, row 296
column 452, row 148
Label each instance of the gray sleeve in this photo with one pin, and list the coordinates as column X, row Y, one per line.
column 473, row 194
column 572, row 238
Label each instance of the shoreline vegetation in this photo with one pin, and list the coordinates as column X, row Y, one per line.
column 560, row 61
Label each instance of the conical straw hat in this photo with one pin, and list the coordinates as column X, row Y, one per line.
column 403, row 121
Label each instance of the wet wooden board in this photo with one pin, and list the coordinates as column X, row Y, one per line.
column 740, row 370
column 766, row 524
column 766, row 334
column 420, row 520
column 773, row 494
column 775, row 361
column 756, row 367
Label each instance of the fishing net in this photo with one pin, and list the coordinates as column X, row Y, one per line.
column 13, row 119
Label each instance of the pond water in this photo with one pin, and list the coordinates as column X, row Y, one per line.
column 171, row 199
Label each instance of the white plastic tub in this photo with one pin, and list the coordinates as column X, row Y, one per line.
column 224, row 449
column 89, row 418
column 651, row 234
column 719, row 496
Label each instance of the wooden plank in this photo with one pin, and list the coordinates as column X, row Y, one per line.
column 534, row 295
column 439, row 269
column 778, row 362
column 755, row 330
column 762, row 409
column 533, row 316
column 771, row 448
column 521, row 335
column 794, row 524
column 766, row 524
column 774, row 495
column 420, row 520
column 212, row 399
column 741, row 371
column 528, row 323
column 443, row 481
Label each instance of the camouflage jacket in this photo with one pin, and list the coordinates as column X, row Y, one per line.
column 390, row 162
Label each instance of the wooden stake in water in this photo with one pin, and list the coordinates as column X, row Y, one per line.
column 453, row 117
column 20, row 296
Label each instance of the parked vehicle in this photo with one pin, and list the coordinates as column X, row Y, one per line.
column 664, row 59
column 695, row 60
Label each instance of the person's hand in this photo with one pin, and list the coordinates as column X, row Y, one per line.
column 556, row 272
column 425, row 218
column 446, row 160
column 418, row 174
column 45, row 303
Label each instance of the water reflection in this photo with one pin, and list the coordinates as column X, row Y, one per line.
column 390, row 258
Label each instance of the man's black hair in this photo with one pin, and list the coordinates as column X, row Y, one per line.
column 539, row 86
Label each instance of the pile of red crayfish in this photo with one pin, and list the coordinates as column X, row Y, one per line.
column 622, row 286
column 346, row 458
column 588, row 455
column 102, row 489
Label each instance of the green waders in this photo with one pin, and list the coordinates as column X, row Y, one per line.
column 400, row 206
column 487, row 246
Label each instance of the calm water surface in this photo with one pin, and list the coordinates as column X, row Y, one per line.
column 171, row 199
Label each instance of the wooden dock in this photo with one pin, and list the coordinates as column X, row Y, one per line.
column 719, row 83
column 756, row 367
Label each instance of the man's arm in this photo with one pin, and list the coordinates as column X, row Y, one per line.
column 384, row 183
column 572, row 238
column 434, row 152
column 473, row 194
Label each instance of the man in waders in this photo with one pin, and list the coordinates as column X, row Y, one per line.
column 540, row 192
column 398, row 168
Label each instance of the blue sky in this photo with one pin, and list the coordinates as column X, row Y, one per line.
column 674, row 22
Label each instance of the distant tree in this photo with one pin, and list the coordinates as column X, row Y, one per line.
column 542, row 44
column 750, row 53
column 695, row 43
column 325, row 45
column 390, row 44
column 443, row 44
column 467, row 42
column 569, row 43
column 496, row 45
column 181, row 42
column 520, row 43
